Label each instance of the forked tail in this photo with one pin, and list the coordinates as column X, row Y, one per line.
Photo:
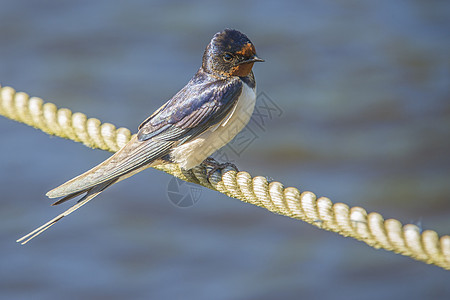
column 91, row 193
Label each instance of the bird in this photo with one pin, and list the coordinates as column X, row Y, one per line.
column 206, row 114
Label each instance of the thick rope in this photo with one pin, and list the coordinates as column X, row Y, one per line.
column 354, row 222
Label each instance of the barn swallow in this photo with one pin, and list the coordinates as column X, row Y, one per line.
column 202, row 117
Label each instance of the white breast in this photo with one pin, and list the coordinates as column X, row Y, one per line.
column 196, row 151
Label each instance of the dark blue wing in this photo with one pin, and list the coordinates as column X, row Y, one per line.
column 198, row 106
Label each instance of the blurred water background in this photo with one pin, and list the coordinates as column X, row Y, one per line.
column 363, row 88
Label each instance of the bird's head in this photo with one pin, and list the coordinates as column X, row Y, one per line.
column 230, row 53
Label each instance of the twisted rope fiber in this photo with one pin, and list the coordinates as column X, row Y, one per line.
column 354, row 222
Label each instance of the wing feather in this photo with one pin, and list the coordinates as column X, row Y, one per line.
column 197, row 107
column 192, row 111
column 132, row 156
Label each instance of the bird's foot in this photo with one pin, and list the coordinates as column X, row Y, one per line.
column 217, row 166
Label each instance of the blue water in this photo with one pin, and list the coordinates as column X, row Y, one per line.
column 363, row 99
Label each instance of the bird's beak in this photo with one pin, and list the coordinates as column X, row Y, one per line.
column 256, row 59
column 251, row 60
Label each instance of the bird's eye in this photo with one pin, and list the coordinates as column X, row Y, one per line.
column 228, row 57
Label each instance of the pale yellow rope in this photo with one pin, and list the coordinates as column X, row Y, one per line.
column 370, row 228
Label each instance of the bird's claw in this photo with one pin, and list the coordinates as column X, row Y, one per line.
column 217, row 166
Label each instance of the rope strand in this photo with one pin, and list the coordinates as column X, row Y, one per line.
column 353, row 222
